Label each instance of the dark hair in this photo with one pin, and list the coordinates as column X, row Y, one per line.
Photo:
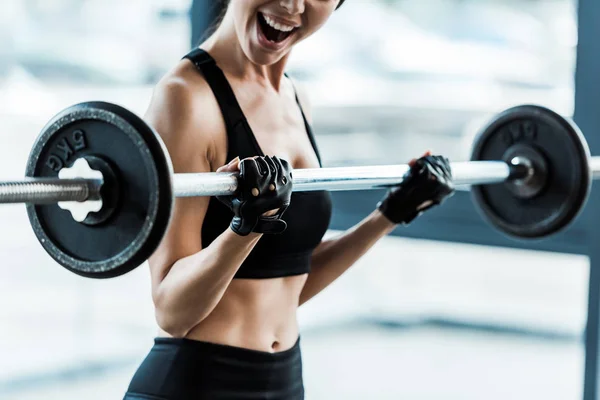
column 219, row 6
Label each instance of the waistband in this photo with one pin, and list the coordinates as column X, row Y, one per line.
column 227, row 350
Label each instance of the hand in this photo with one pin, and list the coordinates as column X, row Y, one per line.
column 234, row 166
column 263, row 194
column 427, row 184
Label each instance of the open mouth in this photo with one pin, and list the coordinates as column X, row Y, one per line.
column 274, row 31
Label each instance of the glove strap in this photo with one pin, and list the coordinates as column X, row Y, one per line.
column 273, row 224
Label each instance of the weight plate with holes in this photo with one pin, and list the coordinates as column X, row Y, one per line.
column 542, row 205
column 110, row 244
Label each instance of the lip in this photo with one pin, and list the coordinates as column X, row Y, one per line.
column 281, row 20
column 267, row 44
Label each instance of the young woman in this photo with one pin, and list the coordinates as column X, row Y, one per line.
column 231, row 272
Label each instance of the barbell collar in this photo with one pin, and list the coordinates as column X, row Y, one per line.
column 595, row 167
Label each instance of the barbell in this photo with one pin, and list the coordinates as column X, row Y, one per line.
column 100, row 187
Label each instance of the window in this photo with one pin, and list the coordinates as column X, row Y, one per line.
column 390, row 79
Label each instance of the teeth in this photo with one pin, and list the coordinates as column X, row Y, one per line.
column 277, row 25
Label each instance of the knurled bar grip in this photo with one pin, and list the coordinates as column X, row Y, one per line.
column 46, row 190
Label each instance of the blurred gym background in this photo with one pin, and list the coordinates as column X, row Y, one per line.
column 444, row 309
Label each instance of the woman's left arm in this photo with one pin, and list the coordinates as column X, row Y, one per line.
column 335, row 256
column 427, row 183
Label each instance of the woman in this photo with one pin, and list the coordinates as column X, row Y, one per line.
column 232, row 271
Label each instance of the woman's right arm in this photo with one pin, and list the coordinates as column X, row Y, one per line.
column 188, row 281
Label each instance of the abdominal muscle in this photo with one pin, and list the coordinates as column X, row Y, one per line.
column 257, row 314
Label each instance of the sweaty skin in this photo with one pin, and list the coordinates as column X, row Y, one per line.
column 193, row 289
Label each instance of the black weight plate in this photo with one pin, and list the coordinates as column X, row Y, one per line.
column 143, row 172
column 567, row 156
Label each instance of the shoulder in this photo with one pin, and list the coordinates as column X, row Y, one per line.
column 185, row 114
column 179, row 94
column 303, row 98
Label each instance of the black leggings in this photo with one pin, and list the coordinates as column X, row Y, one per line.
column 182, row 369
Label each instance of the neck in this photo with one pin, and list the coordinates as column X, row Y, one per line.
column 224, row 46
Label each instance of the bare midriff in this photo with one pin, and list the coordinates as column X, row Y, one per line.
column 257, row 314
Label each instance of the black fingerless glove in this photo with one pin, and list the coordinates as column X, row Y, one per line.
column 429, row 180
column 260, row 173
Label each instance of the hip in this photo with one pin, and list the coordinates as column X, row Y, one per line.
column 177, row 369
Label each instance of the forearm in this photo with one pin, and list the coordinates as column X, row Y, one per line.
column 195, row 284
column 335, row 256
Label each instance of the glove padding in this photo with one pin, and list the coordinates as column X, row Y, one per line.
column 427, row 184
column 260, row 173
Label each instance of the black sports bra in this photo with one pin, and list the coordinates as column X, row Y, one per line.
column 308, row 215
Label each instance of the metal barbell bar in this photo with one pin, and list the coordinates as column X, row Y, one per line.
column 53, row 190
